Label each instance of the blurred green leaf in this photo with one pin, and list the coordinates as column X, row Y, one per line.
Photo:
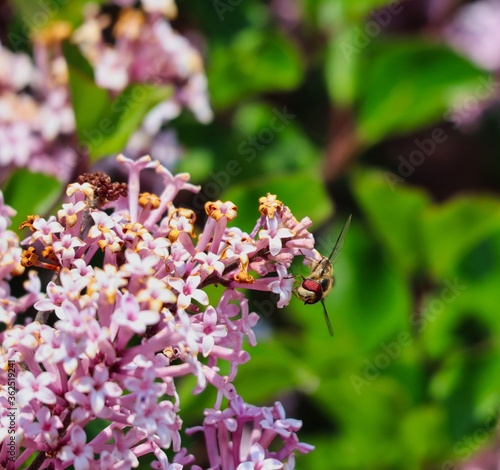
column 250, row 118
column 462, row 313
column 198, row 162
column 124, row 116
column 297, row 152
column 479, row 271
column 411, row 84
column 267, row 132
column 31, row 193
column 43, row 14
column 459, row 385
column 355, row 26
column 342, row 68
column 267, row 358
column 395, row 213
column 255, row 61
column 361, row 9
column 376, row 408
column 334, row 14
column 84, row 91
column 453, row 228
column 424, row 433
column 106, row 126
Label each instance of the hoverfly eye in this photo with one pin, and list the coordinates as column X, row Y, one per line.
column 314, row 287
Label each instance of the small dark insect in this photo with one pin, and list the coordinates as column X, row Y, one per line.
column 321, row 280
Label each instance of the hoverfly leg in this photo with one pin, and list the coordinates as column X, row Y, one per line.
column 327, row 318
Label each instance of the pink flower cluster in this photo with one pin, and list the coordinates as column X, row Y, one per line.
column 37, row 122
column 475, row 32
column 126, row 315
column 145, row 49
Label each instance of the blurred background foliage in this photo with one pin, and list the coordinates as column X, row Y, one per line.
column 362, row 107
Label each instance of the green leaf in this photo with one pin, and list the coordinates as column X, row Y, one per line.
column 198, row 162
column 463, row 310
column 334, row 14
column 356, row 26
column 411, row 84
column 36, row 16
column 460, row 385
column 104, row 126
column 395, row 213
column 423, row 433
column 379, row 408
column 31, row 193
column 360, row 9
column 342, row 68
column 302, row 192
column 454, row 228
column 263, row 132
column 124, row 116
column 89, row 101
column 268, row 358
column 253, row 62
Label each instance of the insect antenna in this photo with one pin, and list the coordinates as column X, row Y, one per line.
column 337, row 248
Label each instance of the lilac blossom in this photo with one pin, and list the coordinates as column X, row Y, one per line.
column 45, row 424
column 125, row 326
column 77, row 451
column 475, row 31
column 258, row 461
column 485, row 459
column 187, row 290
column 32, row 387
column 37, row 119
column 250, row 430
column 37, row 124
column 146, row 49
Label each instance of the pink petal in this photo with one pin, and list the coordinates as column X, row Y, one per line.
column 201, row 296
column 112, row 389
column 97, row 402
column 275, row 245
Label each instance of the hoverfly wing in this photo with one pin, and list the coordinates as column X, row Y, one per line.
column 337, row 248
column 327, row 318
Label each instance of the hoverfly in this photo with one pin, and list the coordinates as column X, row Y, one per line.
column 321, row 280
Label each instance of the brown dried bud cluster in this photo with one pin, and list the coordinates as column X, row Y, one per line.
column 105, row 191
